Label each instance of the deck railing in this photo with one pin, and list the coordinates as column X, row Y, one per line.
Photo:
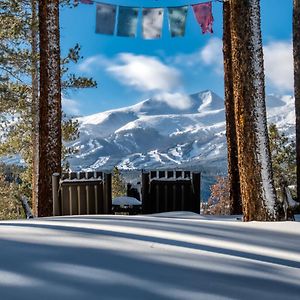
column 81, row 193
column 164, row 191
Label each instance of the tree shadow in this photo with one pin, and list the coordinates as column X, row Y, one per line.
column 246, row 235
column 85, row 273
column 155, row 267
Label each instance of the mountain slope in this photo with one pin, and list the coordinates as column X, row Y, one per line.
column 153, row 134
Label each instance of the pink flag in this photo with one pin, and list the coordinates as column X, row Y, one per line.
column 203, row 14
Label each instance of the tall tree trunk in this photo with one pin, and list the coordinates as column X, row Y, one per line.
column 50, row 142
column 296, row 45
column 256, row 178
column 233, row 170
column 35, row 99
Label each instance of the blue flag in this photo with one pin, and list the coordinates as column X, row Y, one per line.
column 127, row 21
column 105, row 18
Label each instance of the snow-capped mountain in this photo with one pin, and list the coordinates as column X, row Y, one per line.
column 154, row 134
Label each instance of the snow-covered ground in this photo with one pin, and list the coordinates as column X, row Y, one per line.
column 166, row 256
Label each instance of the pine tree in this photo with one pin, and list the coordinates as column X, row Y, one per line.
column 118, row 185
column 256, row 180
column 232, row 152
column 296, row 46
column 283, row 152
column 19, row 64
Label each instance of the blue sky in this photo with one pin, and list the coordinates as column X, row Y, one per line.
column 130, row 70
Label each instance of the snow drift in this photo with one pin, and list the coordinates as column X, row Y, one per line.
column 176, row 255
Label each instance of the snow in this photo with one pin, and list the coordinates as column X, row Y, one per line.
column 124, row 200
column 291, row 202
column 152, row 134
column 260, row 122
column 176, row 255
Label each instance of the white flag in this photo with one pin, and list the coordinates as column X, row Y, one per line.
column 152, row 22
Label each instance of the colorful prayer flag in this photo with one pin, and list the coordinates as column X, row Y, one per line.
column 152, row 22
column 177, row 20
column 127, row 21
column 203, row 14
column 105, row 18
column 86, row 1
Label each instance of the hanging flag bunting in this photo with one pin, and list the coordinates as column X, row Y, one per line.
column 152, row 19
column 127, row 21
column 177, row 20
column 203, row 14
column 105, row 18
column 152, row 22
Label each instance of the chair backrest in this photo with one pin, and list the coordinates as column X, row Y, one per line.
column 81, row 193
column 169, row 190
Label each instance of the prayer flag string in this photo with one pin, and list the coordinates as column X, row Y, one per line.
column 123, row 20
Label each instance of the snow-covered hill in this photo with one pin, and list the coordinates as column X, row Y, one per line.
column 154, row 134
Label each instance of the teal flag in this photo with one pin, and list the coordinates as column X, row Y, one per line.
column 177, row 20
column 127, row 21
column 105, row 18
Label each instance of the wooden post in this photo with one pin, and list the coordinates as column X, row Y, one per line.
column 145, row 192
column 107, row 194
column 55, row 193
column 196, row 181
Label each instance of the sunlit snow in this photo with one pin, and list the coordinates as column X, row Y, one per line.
column 177, row 255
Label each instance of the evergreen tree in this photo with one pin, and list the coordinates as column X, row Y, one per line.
column 118, row 185
column 296, row 46
column 10, row 189
column 283, row 153
column 19, row 64
column 256, row 180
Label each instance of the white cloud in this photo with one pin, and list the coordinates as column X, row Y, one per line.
column 144, row 73
column 92, row 62
column 176, row 100
column 187, row 60
column 212, row 54
column 278, row 57
column 70, row 106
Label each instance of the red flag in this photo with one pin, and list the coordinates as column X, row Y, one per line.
column 203, row 14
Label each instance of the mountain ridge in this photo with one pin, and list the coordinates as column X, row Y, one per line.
column 155, row 134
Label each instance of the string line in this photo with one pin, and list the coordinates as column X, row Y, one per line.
column 138, row 6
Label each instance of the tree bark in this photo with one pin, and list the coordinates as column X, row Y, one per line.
column 296, row 46
column 233, row 170
column 50, row 141
column 256, row 178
